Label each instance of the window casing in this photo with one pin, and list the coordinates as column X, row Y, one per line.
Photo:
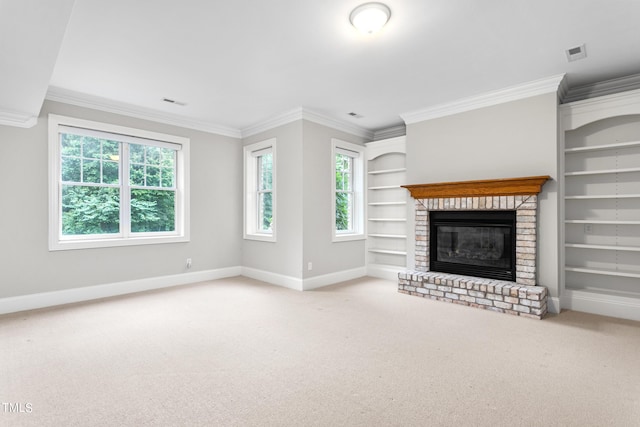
column 115, row 186
column 260, row 191
column 348, row 191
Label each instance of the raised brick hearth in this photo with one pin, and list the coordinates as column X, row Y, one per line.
column 495, row 295
column 521, row 297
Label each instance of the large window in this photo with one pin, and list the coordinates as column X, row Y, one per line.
column 348, row 191
column 260, row 190
column 115, row 186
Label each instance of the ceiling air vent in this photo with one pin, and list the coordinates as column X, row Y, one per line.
column 173, row 101
column 575, row 53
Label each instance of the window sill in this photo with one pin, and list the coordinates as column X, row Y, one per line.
column 65, row 245
column 261, row 237
column 348, row 237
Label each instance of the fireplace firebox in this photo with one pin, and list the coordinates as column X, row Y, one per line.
column 473, row 243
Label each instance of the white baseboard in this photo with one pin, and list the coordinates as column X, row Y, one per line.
column 303, row 284
column 333, row 278
column 67, row 296
column 273, row 278
column 605, row 305
column 553, row 304
column 384, row 271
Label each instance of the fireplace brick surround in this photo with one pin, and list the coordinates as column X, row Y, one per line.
column 522, row 297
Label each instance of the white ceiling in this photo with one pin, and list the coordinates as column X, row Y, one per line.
column 238, row 63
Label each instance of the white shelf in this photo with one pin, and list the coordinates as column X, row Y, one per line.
column 604, row 196
column 387, row 225
column 603, row 147
column 387, row 171
column 603, row 272
column 387, row 251
column 598, row 221
column 390, row 203
column 603, row 247
column 602, row 181
column 593, row 291
column 384, row 187
column 602, row 172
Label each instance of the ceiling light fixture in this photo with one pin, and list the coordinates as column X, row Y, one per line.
column 369, row 18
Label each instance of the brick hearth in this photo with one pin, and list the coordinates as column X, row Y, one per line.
column 521, row 297
column 495, row 295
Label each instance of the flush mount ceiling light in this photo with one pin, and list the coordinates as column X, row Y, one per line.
column 369, row 18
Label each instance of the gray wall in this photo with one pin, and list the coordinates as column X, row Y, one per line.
column 513, row 139
column 303, row 198
column 285, row 255
column 327, row 256
column 27, row 266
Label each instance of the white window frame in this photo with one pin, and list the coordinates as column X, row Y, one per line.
column 251, row 191
column 125, row 238
column 357, row 153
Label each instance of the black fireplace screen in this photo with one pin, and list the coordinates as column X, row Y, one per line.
column 473, row 243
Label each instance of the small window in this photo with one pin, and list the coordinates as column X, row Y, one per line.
column 260, row 191
column 115, row 186
column 348, row 191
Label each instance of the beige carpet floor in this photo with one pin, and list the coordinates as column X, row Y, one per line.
column 238, row 352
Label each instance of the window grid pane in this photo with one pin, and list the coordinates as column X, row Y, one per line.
column 264, row 193
column 90, row 210
column 90, row 192
column 344, row 193
column 152, row 167
column 89, row 160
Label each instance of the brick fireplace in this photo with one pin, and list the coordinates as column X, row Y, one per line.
column 520, row 297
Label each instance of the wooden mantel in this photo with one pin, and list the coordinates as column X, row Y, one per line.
column 487, row 187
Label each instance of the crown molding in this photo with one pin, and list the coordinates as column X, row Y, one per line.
column 301, row 113
column 17, row 119
column 392, row 132
column 110, row 106
column 272, row 122
column 512, row 93
column 607, row 87
column 340, row 125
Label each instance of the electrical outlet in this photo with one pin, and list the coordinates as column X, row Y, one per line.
column 310, row 266
column 188, row 263
column 588, row 229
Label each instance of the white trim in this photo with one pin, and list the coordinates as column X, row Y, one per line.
column 249, row 208
column 359, row 202
column 88, row 293
column 607, row 87
column 386, row 146
column 273, row 278
column 297, row 284
column 386, row 272
column 579, row 113
column 18, row 120
column 66, row 96
column 333, row 278
column 301, row 113
column 602, row 304
column 182, row 232
column 553, row 304
column 512, row 93
column 391, row 132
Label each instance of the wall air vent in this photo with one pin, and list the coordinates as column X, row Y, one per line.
column 575, row 53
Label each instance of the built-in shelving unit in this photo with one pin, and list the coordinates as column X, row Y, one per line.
column 602, row 205
column 386, row 208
